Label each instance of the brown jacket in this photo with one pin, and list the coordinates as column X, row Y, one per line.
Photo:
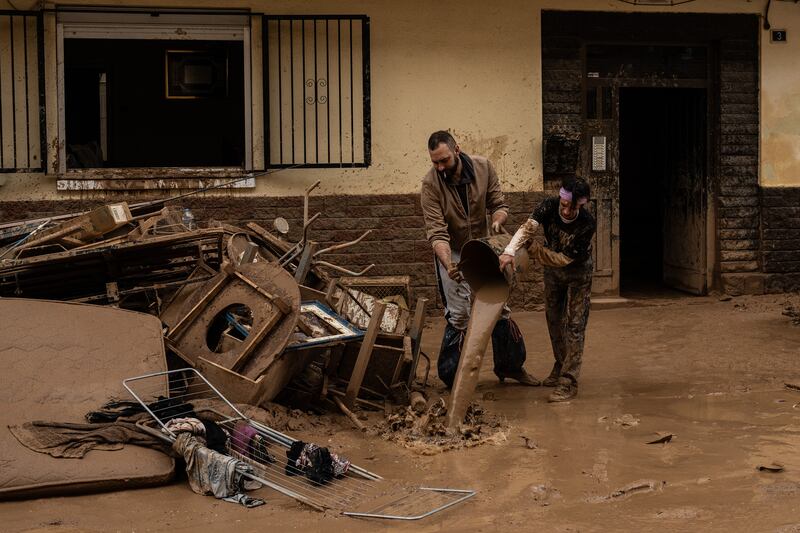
column 445, row 219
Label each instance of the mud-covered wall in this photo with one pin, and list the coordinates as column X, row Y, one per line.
column 470, row 66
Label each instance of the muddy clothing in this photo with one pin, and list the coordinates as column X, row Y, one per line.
column 573, row 239
column 567, row 293
column 447, row 218
column 456, row 214
column 457, row 300
column 566, row 259
column 508, row 349
column 567, row 289
column 457, row 296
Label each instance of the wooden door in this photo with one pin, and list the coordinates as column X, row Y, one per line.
column 600, row 164
column 684, row 158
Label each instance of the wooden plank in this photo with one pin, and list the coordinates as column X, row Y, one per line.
column 6, row 96
column 329, row 298
column 199, row 306
column 32, row 67
column 276, row 300
column 364, row 354
column 253, row 339
column 20, row 93
column 406, row 357
column 415, row 333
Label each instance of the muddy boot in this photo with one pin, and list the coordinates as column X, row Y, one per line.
column 521, row 376
column 565, row 391
column 552, row 379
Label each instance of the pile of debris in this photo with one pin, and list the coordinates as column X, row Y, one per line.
column 256, row 314
column 425, row 431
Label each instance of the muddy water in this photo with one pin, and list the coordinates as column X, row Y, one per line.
column 486, row 309
column 711, row 373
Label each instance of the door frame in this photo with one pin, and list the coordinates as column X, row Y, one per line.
column 608, row 205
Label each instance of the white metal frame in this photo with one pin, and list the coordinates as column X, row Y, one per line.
column 182, row 27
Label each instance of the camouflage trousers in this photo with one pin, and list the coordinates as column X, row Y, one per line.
column 567, row 293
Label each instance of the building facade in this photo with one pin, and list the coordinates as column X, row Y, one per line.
column 685, row 119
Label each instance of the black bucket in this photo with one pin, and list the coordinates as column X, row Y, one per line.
column 480, row 261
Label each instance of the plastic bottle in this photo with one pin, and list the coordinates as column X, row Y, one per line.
column 188, row 219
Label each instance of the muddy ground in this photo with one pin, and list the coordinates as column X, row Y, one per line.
column 707, row 371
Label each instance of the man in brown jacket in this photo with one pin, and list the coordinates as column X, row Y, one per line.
column 458, row 194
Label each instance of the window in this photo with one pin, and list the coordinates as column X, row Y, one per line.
column 317, row 91
column 21, row 87
column 149, row 99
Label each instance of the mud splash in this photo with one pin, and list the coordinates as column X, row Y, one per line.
column 427, row 434
column 486, row 310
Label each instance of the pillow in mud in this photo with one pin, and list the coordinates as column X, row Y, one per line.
column 317, row 463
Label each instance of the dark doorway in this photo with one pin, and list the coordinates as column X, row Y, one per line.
column 154, row 103
column 663, row 170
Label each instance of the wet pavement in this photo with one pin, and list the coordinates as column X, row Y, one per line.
column 709, row 372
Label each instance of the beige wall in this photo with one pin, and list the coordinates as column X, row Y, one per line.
column 780, row 100
column 474, row 67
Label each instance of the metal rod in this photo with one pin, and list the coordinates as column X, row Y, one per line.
column 342, row 245
column 305, row 201
column 305, row 123
column 344, row 270
column 280, row 91
column 328, row 84
column 13, row 90
column 291, row 85
column 26, row 237
column 467, row 494
column 266, row 92
column 366, row 96
column 316, row 98
column 339, row 79
column 352, row 108
column 295, row 250
column 27, row 98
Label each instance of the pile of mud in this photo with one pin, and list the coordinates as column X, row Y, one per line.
column 427, row 433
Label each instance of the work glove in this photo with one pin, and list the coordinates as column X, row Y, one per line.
column 497, row 228
column 454, row 273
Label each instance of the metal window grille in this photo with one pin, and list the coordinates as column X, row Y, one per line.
column 21, row 92
column 317, row 91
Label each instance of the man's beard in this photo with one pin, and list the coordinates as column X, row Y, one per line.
column 450, row 172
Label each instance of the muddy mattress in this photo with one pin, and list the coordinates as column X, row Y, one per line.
column 58, row 362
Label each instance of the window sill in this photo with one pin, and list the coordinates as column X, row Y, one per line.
column 154, row 178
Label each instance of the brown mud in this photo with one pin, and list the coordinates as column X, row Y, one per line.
column 709, row 372
column 486, row 309
column 428, row 434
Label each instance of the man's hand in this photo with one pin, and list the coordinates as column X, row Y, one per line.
column 454, row 273
column 506, row 260
column 498, row 219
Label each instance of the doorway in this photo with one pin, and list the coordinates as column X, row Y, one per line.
column 663, row 173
